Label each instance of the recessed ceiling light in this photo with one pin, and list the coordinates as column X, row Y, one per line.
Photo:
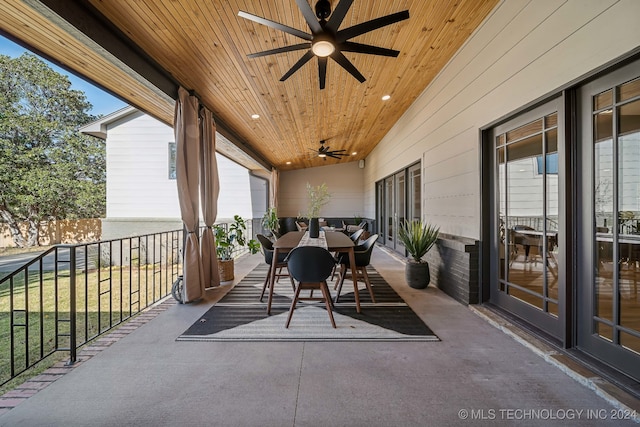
column 288, row 163
column 255, row 116
column 354, row 153
column 386, row 97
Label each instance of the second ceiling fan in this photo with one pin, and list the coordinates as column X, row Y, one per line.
column 326, row 151
column 325, row 40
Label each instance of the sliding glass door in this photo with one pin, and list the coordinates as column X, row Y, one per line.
column 398, row 199
column 528, row 236
column 609, row 237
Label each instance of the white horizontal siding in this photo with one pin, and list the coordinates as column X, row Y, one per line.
column 138, row 184
column 345, row 182
column 522, row 51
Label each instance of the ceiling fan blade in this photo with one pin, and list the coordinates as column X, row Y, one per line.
column 276, row 25
column 374, row 24
column 309, row 16
column 334, row 156
column 305, row 58
column 338, row 14
column 281, row 50
column 322, row 72
column 347, row 65
column 365, row 48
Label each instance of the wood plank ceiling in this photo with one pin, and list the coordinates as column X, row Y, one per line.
column 203, row 45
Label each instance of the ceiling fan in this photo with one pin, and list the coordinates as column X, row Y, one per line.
column 326, row 151
column 325, row 39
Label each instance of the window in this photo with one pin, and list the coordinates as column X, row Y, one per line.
column 552, row 164
column 172, row 160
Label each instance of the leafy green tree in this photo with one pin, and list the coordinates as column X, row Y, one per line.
column 48, row 170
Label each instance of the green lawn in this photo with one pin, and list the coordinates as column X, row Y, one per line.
column 104, row 298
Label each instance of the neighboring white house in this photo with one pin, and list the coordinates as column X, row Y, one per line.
column 142, row 193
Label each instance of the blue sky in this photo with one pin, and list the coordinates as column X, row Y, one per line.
column 102, row 102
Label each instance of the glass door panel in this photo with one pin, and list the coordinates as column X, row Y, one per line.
column 617, row 130
column 398, row 199
column 389, row 210
column 414, row 194
column 527, row 204
column 401, row 207
column 380, row 211
column 608, row 295
column 628, row 258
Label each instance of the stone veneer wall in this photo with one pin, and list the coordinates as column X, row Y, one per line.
column 454, row 267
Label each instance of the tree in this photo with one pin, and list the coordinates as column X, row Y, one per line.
column 48, row 170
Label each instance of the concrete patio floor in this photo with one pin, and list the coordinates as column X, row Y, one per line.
column 476, row 375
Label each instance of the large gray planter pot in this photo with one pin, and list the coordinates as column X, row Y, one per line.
column 417, row 274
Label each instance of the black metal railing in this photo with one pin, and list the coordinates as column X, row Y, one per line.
column 71, row 294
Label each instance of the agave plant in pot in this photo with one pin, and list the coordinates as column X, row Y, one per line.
column 418, row 238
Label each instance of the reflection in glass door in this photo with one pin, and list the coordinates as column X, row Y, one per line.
column 380, row 212
column 609, row 295
column 398, row 199
column 414, row 211
column 527, row 218
column 401, row 207
column 395, row 196
column 389, row 211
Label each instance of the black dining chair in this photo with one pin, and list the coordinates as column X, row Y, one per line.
column 311, row 266
column 267, row 250
column 356, row 235
column 362, row 255
column 354, row 238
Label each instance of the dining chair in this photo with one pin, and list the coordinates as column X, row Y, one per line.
column 310, row 266
column 356, row 235
column 354, row 238
column 526, row 242
column 362, row 254
column 267, row 250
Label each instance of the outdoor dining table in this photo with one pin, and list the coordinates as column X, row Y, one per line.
column 336, row 242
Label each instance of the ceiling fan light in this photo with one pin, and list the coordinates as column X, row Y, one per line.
column 323, row 48
column 322, row 155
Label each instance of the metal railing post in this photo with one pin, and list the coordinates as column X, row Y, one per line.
column 73, row 355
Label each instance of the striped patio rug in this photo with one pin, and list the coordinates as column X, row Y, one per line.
column 240, row 316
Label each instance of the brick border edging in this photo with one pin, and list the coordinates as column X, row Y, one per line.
column 29, row 388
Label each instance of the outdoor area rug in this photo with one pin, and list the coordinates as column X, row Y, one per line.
column 240, row 316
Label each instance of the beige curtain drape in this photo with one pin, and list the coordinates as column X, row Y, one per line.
column 273, row 190
column 209, row 190
column 187, row 135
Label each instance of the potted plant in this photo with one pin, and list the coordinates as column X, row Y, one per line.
column 318, row 197
column 270, row 222
column 228, row 237
column 418, row 238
